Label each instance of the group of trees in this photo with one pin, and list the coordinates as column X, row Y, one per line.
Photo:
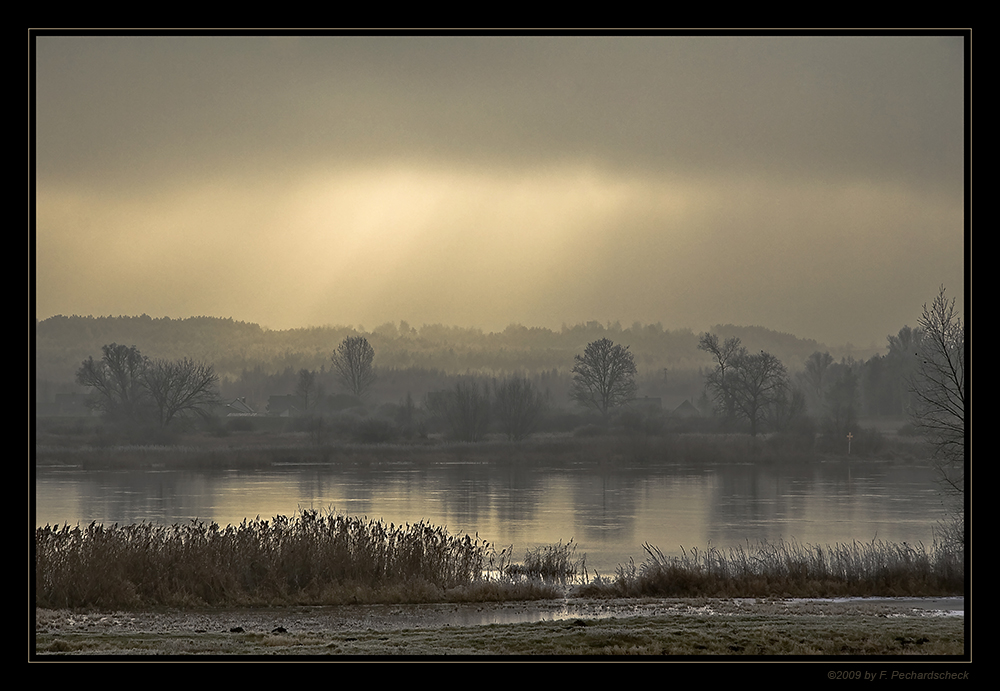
column 131, row 388
column 469, row 408
column 234, row 347
column 513, row 403
column 353, row 364
column 752, row 387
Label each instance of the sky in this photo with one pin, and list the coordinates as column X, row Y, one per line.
column 810, row 184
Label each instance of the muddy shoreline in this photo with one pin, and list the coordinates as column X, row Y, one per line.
column 348, row 618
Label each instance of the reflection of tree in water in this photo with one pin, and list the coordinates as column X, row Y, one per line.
column 754, row 503
column 151, row 497
column 608, row 513
column 473, row 492
column 839, row 502
column 605, row 505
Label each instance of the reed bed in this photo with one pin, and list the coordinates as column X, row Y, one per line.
column 550, row 562
column 326, row 558
column 790, row 569
column 310, row 558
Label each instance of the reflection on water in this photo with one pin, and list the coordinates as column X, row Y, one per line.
column 608, row 513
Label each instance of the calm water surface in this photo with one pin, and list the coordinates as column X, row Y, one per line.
column 609, row 514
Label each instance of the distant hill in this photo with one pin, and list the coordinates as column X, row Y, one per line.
column 790, row 349
column 62, row 343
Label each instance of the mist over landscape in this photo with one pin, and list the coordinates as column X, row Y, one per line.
column 812, row 185
column 669, row 316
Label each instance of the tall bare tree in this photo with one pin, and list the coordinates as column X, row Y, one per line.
column 604, row 376
column 841, row 401
column 180, row 386
column 938, row 387
column 518, row 406
column 744, row 386
column 305, row 387
column 467, row 408
column 117, row 378
column 131, row 388
column 353, row 361
column 815, row 369
column 719, row 381
column 759, row 381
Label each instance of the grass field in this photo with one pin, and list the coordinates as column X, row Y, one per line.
column 676, row 628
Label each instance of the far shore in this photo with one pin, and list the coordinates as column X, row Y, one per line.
column 608, row 448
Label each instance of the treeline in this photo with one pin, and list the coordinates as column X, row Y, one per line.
column 255, row 363
column 235, row 347
column 753, row 391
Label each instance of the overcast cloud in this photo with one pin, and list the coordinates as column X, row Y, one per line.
column 812, row 185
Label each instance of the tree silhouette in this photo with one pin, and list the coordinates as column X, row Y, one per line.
column 938, row 388
column 353, row 361
column 719, row 381
column 467, row 408
column 745, row 386
column 117, row 378
column 759, row 381
column 604, row 376
column 518, row 406
column 305, row 387
column 180, row 386
column 131, row 388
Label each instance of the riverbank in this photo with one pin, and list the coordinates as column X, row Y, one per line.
column 610, row 449
column 320, row 558
column 568, row 627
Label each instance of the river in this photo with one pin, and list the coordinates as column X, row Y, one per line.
column 608, row 513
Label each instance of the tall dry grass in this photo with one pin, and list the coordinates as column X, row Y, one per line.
column 790, row 569
column 556, row 562
column 326, row 558
column 310, row 558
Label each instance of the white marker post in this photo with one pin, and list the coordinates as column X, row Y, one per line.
column 849, row 438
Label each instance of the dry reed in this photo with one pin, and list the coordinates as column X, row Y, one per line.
column 789, row 569
column 310, row 558
column 550, row 562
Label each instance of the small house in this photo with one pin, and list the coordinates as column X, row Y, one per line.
column 239, row 408
column 288, row 405
column 685, row 410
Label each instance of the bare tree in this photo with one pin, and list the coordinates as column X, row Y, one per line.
column 815, row 368
column 117, row 378
column 841, row 399
column 467, row 408
column 180, row 386
column 131, row 388
column 604, row 376
column 719, row 381
column 902, row 366
column 789, row 409
column 305, row 387
column 518, row 405
column 759, row 381
column 745, row 386
column 938, row 389
column 353, row 362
